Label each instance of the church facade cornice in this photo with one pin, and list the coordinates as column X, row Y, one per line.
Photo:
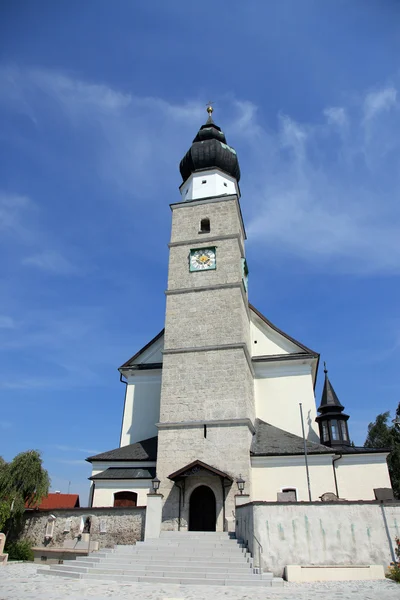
column 216, row 347
column 209, row 422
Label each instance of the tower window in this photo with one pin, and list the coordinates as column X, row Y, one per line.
column 205, row 226
column 225, row 184
column 343, row 429
column 325, row 432
column 204, row 181
column 335, row 430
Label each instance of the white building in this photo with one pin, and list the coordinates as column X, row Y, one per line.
column 214, row 397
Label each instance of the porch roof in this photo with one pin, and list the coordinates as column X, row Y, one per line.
column 194, row 468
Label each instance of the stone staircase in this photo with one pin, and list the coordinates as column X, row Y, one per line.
column 189, row 558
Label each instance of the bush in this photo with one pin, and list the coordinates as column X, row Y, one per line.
column 394, row 572
column 394, row 569
column 21, row 550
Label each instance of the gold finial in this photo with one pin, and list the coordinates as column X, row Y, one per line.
column 210, row 109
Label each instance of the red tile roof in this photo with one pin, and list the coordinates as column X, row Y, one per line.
column 53, row 501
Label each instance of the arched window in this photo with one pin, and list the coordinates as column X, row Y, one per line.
column 205, row 226
column 125, row 499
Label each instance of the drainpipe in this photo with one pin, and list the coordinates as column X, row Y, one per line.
column 334, row 473
column 92, row 494
column 123, row 412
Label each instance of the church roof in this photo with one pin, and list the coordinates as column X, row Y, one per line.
column 131, row 360
column 126, row 473
column 209, row 150
column 269, row 440
column 144, row 450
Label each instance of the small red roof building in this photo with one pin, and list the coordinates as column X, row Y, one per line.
column 55, row 500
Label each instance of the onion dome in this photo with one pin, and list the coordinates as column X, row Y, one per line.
column 209, row 150
column 331, row 420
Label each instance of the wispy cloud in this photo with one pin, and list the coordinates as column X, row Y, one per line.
column 321, row 197
column 320, row 190
column 75, row 449
column 52, row 262
column 13, row 215
column 72, row 462
column 378, row 101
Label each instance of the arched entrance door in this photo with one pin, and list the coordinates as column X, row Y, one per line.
column 202, row 511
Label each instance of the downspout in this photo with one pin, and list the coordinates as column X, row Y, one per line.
column 92, row 494
column 334, row 473
column 123, row 412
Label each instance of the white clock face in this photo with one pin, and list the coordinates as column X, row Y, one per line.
column 203, row 259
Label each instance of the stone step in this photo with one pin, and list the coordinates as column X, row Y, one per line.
column 171, row 558
column 144, row 551
column 238, row 581
column 175, row 572
column 163, row 566
column 140, row 560
column 190, row 544
column 195, row 534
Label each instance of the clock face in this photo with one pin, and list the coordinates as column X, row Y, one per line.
column 202, row 259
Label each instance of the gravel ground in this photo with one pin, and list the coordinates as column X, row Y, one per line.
column 20, row 582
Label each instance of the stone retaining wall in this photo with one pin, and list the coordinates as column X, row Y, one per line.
column 318, row 533
column 120, row 525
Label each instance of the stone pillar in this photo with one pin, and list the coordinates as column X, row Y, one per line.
column 242, row 499
column 153, row 516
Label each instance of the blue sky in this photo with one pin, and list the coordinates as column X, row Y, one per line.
column 98, row 103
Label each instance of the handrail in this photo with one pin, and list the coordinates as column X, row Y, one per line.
column 260, row 550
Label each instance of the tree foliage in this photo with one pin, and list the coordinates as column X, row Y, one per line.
column 382, row 434
column 23, row 482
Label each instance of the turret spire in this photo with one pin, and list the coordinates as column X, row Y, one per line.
column 332, row 421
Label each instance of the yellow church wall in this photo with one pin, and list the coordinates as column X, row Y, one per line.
column 104, row 491
column 358, row 475
column 271, row 474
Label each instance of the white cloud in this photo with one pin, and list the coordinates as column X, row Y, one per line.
column 74, row 449
column 13, row 210
column 379, row 101
column 329, row 199
column 52, row 262
column 337, row 115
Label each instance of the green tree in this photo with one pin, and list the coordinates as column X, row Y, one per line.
column 23, row 482
column 382, row 434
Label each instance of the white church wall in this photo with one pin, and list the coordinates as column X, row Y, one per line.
column 142, row 407
column 358, row 475
column 271, row 474
column 279, row 388
column 105, row 490
column 351, row 533
column 268, row 345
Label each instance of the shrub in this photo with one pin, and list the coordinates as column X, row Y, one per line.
column 21, row 550
column 394, row 569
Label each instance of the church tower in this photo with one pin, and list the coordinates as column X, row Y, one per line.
column 207, row 392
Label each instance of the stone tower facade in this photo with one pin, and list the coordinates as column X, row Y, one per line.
column 207, row 390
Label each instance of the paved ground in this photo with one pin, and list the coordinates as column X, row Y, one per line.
column 20, row 582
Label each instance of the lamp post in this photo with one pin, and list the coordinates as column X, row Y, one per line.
column 240, row 483
column 156, row 484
